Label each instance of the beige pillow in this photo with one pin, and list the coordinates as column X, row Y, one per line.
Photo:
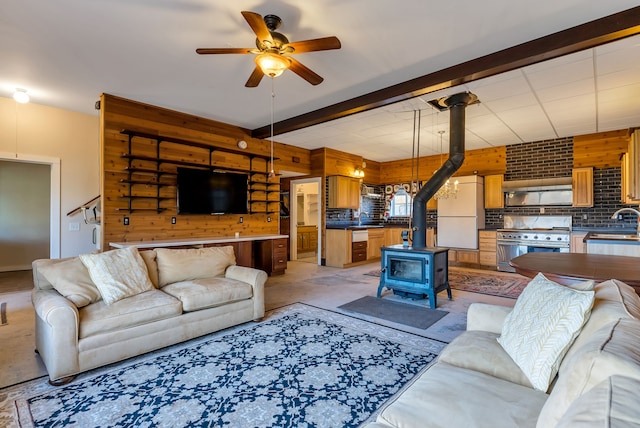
column 544, row 322
column 118, row 273
column 71, row 279
column 193, row 263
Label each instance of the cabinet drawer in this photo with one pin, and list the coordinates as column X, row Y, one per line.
column 468, row 256
column 279, row 243
column 487, row 244
column 279, row 263
column 359, row 245
column 359, row 255
column 488, row 258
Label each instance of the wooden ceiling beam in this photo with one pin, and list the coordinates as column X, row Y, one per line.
column 591, row 34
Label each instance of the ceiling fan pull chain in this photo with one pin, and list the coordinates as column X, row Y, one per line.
column 272, row 173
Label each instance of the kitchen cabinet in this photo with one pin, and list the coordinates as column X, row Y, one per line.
column 631, row 171
column 359, row 251
column 464, row 256
column 338, row 247
column 392, row 236
column 344, row 192
column 626, row 182
column 487, row 244
column 271, row 256
column 493, row 195
column 582, row 187
column 577, row 243
column 307, row 238
column 375, row 242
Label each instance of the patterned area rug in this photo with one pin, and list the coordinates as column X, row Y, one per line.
column 500, row 284
column 302, row 367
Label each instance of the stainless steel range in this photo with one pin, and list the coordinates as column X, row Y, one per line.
column 527, row 234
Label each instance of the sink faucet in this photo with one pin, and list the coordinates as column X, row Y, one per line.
column 615, row 215
column 360, row 217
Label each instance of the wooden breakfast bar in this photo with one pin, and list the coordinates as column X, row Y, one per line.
column 569, row 268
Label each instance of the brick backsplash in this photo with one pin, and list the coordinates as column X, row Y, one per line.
column 540, row 159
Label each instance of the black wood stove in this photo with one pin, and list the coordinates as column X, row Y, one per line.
column 415, row 272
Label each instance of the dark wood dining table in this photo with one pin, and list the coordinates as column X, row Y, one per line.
column 569, row 268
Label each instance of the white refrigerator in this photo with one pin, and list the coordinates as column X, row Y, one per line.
column 460, row 218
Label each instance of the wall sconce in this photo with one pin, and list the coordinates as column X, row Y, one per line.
column 359, row 172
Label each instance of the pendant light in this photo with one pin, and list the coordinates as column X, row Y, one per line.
column 272, row 173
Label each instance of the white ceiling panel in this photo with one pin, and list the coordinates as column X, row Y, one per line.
column 144, row 50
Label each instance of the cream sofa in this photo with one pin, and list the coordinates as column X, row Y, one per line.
column 192, row 292
column 475, row 383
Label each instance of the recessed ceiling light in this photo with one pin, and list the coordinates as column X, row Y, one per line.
column 21, row 96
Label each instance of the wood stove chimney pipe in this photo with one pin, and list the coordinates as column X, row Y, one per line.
column 457, row 104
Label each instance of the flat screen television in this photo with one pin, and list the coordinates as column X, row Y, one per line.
column 202, row 191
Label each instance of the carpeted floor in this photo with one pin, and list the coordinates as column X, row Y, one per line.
column 502, row 284
column 302, row 366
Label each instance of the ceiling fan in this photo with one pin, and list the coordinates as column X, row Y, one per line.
column 274, row 50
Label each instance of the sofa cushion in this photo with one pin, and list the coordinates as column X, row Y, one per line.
column 207, row 293
column 545, row 320
column 149, row 257
column 118, row 273
column 480, row 351
column 71, row 279
column 193, row 263
column 613, row 403
column 613, row 300
column 612, row 350
column 451, row 397
column 140, row 309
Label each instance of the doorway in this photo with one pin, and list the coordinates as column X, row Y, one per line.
column 306, row 221
column 29, row 204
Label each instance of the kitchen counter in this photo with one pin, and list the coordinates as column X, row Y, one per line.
column 630, row 238
column 355, row 227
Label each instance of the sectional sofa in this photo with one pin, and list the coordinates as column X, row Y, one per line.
column 482, row 380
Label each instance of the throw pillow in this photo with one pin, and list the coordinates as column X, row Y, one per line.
column 192, row 263
column 118, row 273
column 71, row 279
column 544, row 322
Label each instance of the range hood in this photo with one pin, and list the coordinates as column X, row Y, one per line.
column 540, row 192
column 537, row 185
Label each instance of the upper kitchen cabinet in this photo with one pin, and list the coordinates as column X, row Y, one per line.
column 493, row 196
column 631, row 171
column 582, row 187
column 344, row 192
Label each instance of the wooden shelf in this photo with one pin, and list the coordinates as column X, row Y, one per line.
column 254, row 185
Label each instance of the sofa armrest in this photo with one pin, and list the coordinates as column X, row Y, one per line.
column 486, row 317
column 57, row 327
column 256, row 278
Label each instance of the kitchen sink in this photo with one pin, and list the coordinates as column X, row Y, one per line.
column 614, row 236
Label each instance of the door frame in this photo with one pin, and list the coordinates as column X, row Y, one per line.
column 54, row 199
column 293, row 216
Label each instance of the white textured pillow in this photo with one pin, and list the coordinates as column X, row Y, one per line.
column 544, row 322
column 192, row 263
column 118, row 273
column 71, row 279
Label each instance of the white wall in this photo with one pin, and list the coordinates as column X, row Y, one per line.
column 36, row 130
column 24, row 214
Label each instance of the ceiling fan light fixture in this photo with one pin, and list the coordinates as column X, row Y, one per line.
column 271, row 64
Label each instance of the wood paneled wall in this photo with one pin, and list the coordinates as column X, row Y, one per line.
column 117, row 114
column 600, row 150
column 481, row 162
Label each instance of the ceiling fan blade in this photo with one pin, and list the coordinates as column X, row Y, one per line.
column 304, row 72
column 322, row 44
column 255, row 78
column 258, row 26
column 210, row 51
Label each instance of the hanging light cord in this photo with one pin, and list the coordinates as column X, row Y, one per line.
column 273, row 96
